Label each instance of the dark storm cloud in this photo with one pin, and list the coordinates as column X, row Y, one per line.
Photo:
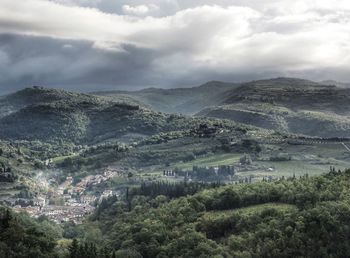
column 28, row 60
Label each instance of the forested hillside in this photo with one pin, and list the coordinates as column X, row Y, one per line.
column 288, row 105
column 284, row 104
column 291, row 217
column 306, row 217
column 59, row 116
column 23, row 237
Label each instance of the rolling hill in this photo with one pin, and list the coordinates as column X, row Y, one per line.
column 179, row 100
column 288, row 105
column 59, row 116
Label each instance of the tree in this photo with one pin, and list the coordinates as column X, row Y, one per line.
column 74, row 249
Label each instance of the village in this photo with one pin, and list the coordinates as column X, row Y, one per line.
column 67, row 202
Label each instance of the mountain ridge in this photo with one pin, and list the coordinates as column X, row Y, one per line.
column 56, row 115
column 288, row 105
column 178, row 100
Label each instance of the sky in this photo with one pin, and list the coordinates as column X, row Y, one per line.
column 90, row 45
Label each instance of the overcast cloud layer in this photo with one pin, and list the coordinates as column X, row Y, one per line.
column 115, row 44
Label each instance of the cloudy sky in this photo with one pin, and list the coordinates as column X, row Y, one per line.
column 116, row 44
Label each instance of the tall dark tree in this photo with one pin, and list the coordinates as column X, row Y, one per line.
column 74, row 249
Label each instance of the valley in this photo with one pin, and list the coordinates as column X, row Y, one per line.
column 76, row 160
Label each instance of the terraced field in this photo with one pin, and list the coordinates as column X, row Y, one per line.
column 214, row 160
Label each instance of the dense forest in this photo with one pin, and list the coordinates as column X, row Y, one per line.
column 292, row 217
column 288, row 218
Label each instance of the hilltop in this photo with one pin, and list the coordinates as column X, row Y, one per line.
column 296, row 94
column 288, row 105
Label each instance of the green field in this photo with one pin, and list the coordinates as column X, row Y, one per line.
column 290, row 168
column 313, row 160
column 214, row 160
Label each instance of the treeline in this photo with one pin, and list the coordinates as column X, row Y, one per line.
column 171, row 190
column 303, row 192
column 88, row 250
column 277, row 232
column 207, row 173
column 23, row 237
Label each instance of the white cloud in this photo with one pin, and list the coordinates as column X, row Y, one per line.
column 250, row 36
column 135, row 10
column 93, row 3
column 140, row 10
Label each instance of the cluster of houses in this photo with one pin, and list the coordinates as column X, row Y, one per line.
column 67, row 186
column 68, row 202
column 58, row 214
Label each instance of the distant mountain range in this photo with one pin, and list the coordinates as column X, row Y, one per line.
column 287, row 105
column 214, row 93
column 179, row 100
column 284, row 104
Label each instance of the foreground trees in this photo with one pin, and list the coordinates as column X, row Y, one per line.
column 22, row 237
column 306, row 217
